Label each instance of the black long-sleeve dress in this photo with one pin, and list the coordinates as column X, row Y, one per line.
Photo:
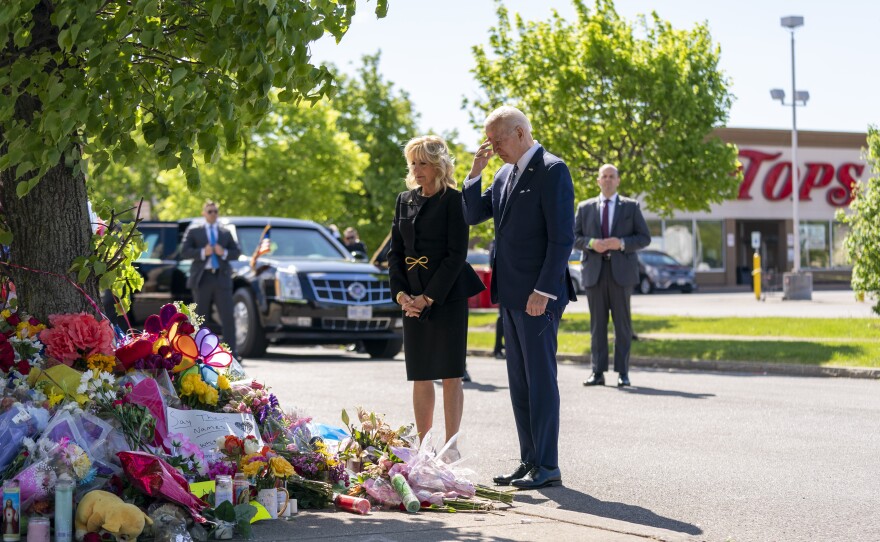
column 429, row 239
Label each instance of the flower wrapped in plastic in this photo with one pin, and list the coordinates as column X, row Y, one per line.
column 427, row 469
column 16, row 424
column 156, row 478
column 52, row 459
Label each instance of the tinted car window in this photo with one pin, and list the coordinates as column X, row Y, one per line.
column 476, row 257
column 296, row 242
column 656, row 258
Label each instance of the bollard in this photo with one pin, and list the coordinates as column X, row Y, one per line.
column 756, row 274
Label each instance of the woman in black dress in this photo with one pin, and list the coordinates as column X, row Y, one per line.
column 431, row 280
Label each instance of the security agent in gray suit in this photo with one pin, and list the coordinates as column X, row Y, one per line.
column 212, row 247
column 609, row 229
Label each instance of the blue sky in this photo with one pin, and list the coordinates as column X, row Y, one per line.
column 426, row 51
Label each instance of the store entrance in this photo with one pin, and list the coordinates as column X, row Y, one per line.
column 773, row 260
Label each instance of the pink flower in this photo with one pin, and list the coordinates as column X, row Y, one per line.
column 77, row 336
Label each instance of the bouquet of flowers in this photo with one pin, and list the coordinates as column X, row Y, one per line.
column 265, row 467
column 79, row 341
column 51, row 459
column 186, row 457
column 373, row 439
column 20, row 346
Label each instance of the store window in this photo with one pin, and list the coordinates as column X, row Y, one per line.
column 655, row 227
column 709, row 245
column 839, row 232
column 815, row 244
column 678, row 240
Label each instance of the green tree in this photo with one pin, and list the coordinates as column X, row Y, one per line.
column 296, row 163
column 862, row 244
column 600, row 89
column 380, row 119
column 85, row 77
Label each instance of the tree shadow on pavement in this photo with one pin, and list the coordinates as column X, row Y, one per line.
column 643, row 390
column 576, row 501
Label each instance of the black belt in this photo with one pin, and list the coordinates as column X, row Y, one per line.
column 212, row 271
column 606, row 256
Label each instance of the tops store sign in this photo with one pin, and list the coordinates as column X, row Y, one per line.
column 767, row 175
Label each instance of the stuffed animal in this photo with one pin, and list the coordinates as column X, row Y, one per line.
column 103, row 510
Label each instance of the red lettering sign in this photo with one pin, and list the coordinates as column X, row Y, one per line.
column 777, row 182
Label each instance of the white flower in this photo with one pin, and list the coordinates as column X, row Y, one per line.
column 251, row 446
column 82, row 388
column 221, row 442
column 29, row 443
column 107, row 378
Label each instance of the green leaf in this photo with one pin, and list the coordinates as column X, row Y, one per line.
column 22, row 188
column 5, row 237
column 177, row 74
column 83, row 274
column 344, row 418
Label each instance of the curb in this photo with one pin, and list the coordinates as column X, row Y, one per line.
column 785, row 369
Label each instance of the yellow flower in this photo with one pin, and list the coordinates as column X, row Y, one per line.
column 223, row 382
column 280, row 467
column 6, row 313
column 209, row 396
column 55, row 399
column 253, row 468
column 101, row 363
column 188, row 384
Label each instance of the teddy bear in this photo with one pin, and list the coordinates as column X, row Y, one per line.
column 103, row 510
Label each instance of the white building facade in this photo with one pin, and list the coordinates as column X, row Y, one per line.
column 718, row 244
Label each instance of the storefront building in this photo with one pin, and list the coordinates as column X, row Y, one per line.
column 718, row 244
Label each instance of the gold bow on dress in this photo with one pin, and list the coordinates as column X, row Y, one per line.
column 412, row 262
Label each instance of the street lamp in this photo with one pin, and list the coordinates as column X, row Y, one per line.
column 796, row 285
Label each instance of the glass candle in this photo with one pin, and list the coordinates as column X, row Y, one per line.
column 64, row 509
column 38, row 529
column 352, row 504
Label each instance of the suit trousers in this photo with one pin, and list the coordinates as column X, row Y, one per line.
column 530, row 342
column 215, row 289
column 607, row 296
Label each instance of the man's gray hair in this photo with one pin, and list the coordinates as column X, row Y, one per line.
column 509, row 117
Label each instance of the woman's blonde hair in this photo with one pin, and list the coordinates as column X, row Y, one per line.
column 433, row 150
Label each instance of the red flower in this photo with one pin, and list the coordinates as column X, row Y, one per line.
column 138, row 349
column 23, row 367
column 14, row 319
column 77, row 336
column 7, row 355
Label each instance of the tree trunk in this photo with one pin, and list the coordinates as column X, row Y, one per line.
column 51, row 227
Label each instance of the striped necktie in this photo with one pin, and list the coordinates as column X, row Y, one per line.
column 508, row 188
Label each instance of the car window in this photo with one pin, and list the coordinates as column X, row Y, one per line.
column 291, row 242
column 152, row 237
column 476, row 257
column 658, row 258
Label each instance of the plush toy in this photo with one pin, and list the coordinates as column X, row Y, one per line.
column 103, row 510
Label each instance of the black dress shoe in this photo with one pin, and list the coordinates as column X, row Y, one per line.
column 466, row 377
column 500, row 355
column 505, row 479
column 622, row 380
column 539, row 477
column 596, row 379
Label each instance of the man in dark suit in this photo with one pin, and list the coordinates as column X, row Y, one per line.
column 211, row 247
column 531, row 201
column 609, row 229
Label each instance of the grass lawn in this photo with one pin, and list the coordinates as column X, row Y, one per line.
column 809, row 328
column 853, row 342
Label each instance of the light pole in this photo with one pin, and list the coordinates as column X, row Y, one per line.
column 796, row 285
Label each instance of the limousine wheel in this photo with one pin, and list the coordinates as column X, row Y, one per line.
column 645, row 286
column 249, row 335
column 383, row 348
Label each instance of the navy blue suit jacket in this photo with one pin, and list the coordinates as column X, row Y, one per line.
column 534, row 235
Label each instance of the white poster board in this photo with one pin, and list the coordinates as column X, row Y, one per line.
column 204, row 428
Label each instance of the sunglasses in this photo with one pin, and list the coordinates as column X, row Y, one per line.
column 212, row 211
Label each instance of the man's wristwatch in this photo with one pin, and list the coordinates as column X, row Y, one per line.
column 622, row 245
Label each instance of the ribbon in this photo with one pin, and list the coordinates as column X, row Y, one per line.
column 75, row 285
column 412, row 262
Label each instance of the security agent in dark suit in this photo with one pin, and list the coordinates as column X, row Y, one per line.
column 609, row 229
column 531, row 201
column 211, row 247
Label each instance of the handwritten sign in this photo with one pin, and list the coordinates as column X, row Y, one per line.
column 204, row 428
